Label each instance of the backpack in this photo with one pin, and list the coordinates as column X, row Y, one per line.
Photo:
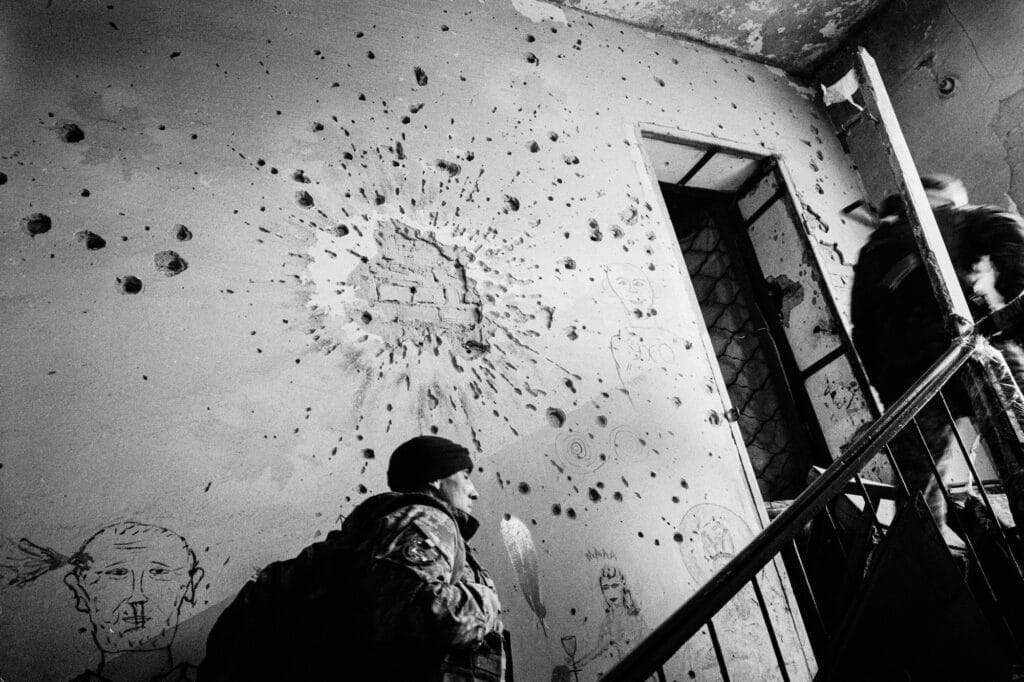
column 298, row 619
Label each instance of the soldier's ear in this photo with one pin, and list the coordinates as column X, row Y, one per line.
column 81, row 598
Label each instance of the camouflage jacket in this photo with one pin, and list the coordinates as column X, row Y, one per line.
column 432, row 610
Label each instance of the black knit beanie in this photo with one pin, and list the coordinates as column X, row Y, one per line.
column 423, row 459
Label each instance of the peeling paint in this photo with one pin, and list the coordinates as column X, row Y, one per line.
column 1008, row 126
column 537, row 11
column 785, row 294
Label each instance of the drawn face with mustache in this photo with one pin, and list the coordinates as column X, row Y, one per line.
column 132, row 580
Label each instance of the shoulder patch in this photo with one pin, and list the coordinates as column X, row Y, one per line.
column 419, row 551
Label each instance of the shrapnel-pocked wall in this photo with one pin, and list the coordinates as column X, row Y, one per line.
column 247, row 249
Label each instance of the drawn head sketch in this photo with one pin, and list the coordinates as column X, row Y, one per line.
column 631, row 285
column 133, row 579
column 711, row 537
column 615, row 590
column 644, row 349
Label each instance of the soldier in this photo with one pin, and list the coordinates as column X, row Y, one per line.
column 396, row 594
column 899, row 330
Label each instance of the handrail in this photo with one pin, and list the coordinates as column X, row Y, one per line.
column 689, row 618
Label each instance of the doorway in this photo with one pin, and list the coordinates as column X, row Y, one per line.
column 784, row 356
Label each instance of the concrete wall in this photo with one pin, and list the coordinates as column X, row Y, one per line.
column 248, row 249
column 976, row 131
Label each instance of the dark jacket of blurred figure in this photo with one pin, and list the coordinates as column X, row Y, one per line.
column 898, row 329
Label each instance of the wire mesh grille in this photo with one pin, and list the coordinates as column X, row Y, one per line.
column 739, row 342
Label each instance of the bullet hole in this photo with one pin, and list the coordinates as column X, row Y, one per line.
column 194, row 136
column 507, row 517
column 570, row 159
column 475, row 349
column 571, row 334
column 368, row 453
column 405, row 120
column 556, row 509
column 3, row 178
column 93, row 242
column 678, row 537
column 530, row 38
column 129, row 284
column 714, row 418
column 84, row 192
column 370, row 55
column 533, row 146
column 948, row 86
column 569, row 264
column 553, row 136
column 524, row 487
column 555, row 417
column 659, row 81
column 571, row 513
column 450, row 167
column 617, row 496
column 421, row 76
column 170, row 263
column 511, row 203
column 378, row 198
column 444, row 27
column 317, row 126
column 37, row 223
column 683, row 482
column 300, row 176
column 594, row 495
column 531, row 58
column 366, row 317
column 303, row 198
column 341, row 231
column 70, row 132
column 182, row 233
column 602, row 420
column 273, row 171
column 362, row 489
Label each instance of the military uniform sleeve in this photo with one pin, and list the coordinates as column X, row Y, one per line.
column 411, row 576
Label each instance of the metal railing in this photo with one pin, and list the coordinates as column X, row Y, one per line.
column 780, row 536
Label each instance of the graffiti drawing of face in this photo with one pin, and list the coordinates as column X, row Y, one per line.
column 612, row 589
column 631, row 286
column 711, row 537
column 133, row 580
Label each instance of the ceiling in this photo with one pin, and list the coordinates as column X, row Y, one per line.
column 795, row 35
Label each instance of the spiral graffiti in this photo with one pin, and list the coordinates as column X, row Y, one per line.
column 576, row 451
column 627, row 444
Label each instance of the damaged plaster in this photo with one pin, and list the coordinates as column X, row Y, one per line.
column 416, row 291
column 793, row 36
column 1008, row 126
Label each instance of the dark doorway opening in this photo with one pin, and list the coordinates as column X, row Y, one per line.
column 743, row 313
